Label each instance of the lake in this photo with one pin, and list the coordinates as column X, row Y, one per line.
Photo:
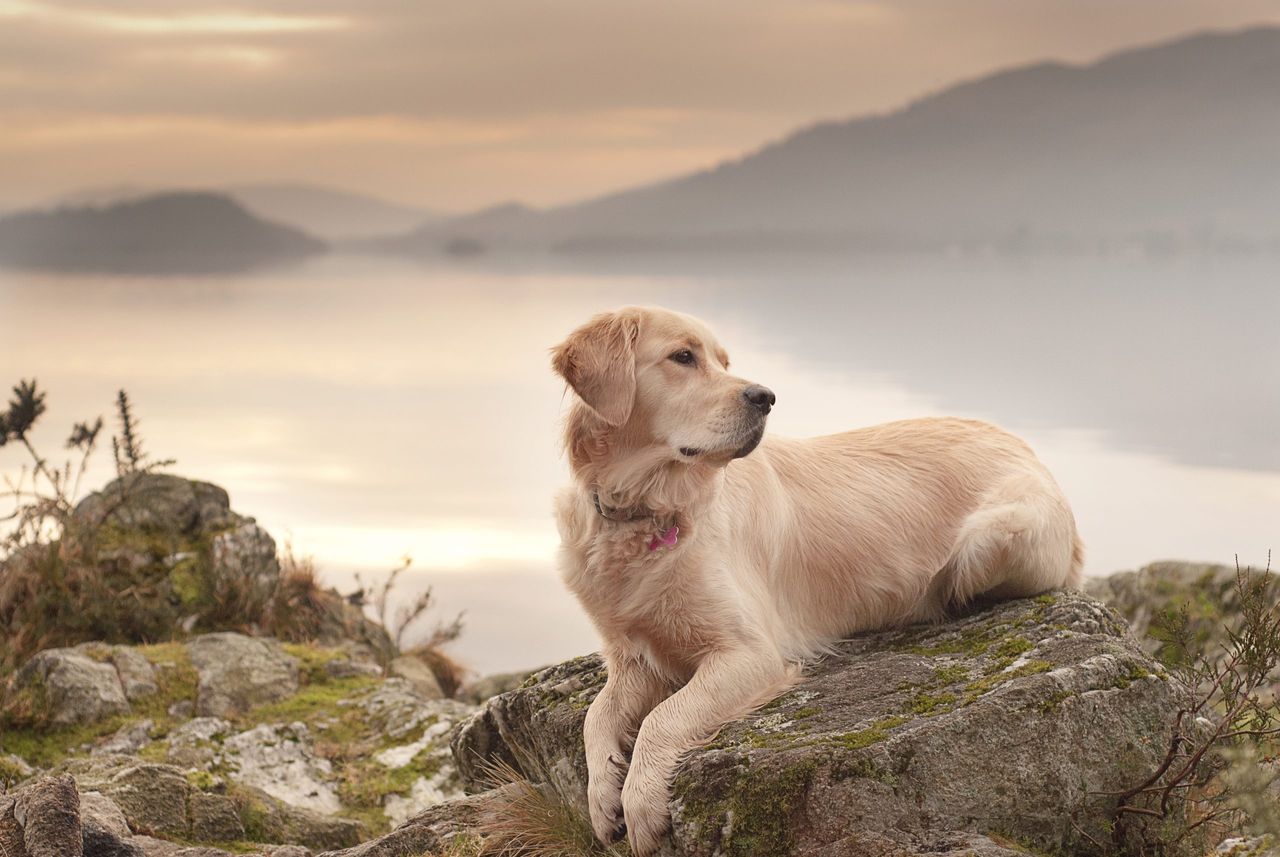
column 364, row 409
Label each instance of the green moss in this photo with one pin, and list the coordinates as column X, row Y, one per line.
column 1055, row 699
column 1013, row 647
column 950, row 675
column 1046, row 599
column 1134, row 673
column 190, row 582
column 203, row 780
column 977, row 688
column 762, row 806
column 874, row 734
column 310, row 702
column 807, row 711
column 365, row 783
column 929, row 704
column 313, row 661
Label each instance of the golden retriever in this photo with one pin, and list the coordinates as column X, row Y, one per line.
column 714, row 560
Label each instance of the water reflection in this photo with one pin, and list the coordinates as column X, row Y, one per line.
column 369, row 408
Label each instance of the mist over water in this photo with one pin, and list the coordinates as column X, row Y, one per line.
column 366, row 408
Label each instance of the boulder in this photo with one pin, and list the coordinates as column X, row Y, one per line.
column 214, row 818
column 158, row 502
column 487, row 687
column 236, row 673
column 432, row 831
column 244, row 559
column 65, row 687
column 1002, row 723
column 42, row 820
column 274, row 821
column 127, row 740
column 99, row 809
column 281, row 761
column 1208, row 592
column 137, row 675
column 152, row 797
column 418, row 674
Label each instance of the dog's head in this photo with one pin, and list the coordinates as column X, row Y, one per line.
column 660, row 381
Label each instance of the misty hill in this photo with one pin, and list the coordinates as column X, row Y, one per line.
column 171, row 233
column 1176, row 141
column 334, row 215
column 327, row 213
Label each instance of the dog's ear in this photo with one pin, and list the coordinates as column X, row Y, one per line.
column 598, row 361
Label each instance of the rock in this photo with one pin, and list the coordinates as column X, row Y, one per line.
column 158, row 799
column 48, row 813
column 152, row 797
column 158, row 501
column 432, row 831
column 164, row 848
column 127, row 740
column 1006, row 720
column 13, row 769
column 418, row 674
column 101, row 810
column 487, row 687
column 137, row 676
column 440, row 786
column 1141, row 597
column 352, row 669
column 275, row 821
column 397, row 709
column 214, row 818
column 281, row 761
column 288, row 851
column 191, row 745
column 236, row 673
column 182, row 709
column 245, row 558
column 102, row 843
column 65, row 687
column 1247, row 846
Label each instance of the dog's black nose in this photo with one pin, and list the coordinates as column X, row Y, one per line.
column 759, row 397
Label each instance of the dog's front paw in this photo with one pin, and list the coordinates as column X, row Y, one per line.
column 604, row 799
column 644, row 806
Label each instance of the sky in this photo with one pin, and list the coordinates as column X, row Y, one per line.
column 456, row 106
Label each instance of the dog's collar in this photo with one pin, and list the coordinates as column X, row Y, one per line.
column 621, row 516
column 666, row 537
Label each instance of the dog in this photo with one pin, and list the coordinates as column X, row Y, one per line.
column 713, row 560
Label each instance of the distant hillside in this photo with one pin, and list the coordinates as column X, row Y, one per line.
column 1173, row 143
column 334, row 215
column 172, row 233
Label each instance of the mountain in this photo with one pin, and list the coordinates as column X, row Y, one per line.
column 334, row 215
column 1178, row 142
column 328, row 213
column 169, row 233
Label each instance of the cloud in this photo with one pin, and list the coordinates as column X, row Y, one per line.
column 199, row 23
column 663, row 85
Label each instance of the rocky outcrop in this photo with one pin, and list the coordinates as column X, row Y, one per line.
column 236, row 673
column 158, row 502
column 418, row 674
column 1002, row 724
column 312, row 746
column 42, row 820
column 1207, row 592
column 65, row 687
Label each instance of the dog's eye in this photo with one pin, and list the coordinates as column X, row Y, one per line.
column 684, row 357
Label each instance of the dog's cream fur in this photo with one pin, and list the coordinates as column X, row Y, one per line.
column 779, row 553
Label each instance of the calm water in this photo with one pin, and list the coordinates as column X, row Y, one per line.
column 366, row 409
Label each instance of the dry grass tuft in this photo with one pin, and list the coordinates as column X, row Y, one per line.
column 527, row 820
